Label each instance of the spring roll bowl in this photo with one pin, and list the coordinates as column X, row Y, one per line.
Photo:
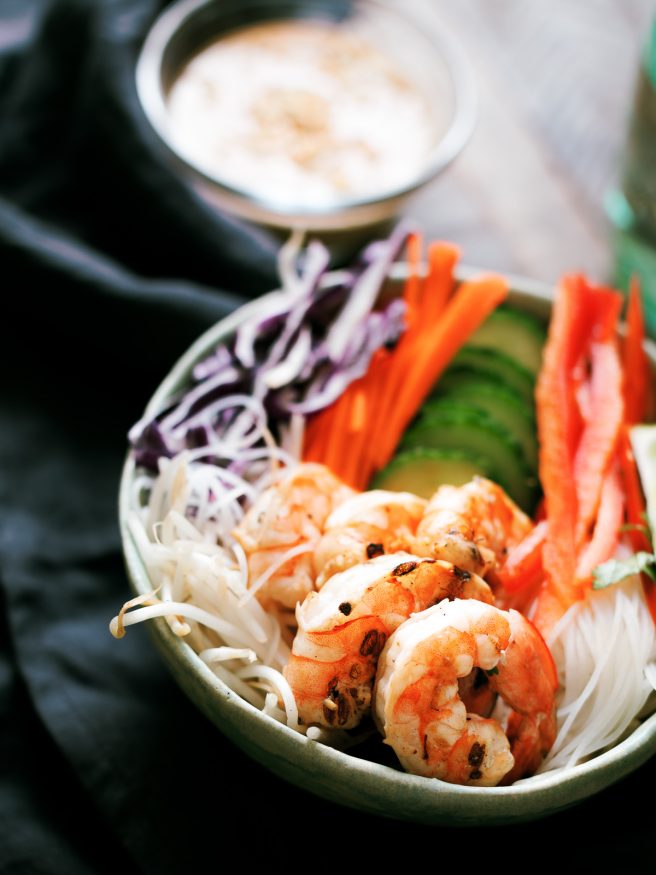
column 349, row 778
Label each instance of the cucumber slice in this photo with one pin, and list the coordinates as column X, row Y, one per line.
column 458, row 427
column 422, row 471
column 495, row 366
column 515, row 334
column 499, row 402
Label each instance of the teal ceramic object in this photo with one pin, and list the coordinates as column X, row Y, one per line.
column 346, row 778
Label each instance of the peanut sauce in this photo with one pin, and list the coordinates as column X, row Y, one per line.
column 301, row 113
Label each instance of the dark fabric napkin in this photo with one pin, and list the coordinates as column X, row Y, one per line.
column 110, row 268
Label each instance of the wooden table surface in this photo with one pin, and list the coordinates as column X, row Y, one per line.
column 555, row 82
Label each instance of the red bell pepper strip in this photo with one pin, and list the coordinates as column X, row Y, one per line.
column 600, row 433
column 557, row 417
column 634, row 359
column 549, row 609
column 637, row 390
column 636, row 514
column 606, row 531
column 523, row 567
column 635, row 503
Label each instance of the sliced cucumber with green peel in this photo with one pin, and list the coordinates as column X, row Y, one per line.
column 501, row 403
column 457, row 427
column 423, row 470
column 492, row 365
column 516, row 334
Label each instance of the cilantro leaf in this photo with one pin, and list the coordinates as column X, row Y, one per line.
column 616, row 570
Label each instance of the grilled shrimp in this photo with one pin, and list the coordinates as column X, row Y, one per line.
column 343, row 628
column 288, row 518
column 364, row 526
column 473, row 526
column 417, row 706
column 418, row 709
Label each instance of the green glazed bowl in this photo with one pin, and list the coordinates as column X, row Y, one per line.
column 347, row 778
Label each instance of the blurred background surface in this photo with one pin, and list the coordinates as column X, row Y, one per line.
column 556, row 84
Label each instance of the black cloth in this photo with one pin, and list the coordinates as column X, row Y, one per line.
column 110, row 268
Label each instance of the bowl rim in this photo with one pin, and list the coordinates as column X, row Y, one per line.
column 441, row 803
column 461, row 126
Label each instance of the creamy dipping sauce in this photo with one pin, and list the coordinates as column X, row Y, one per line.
column 301, row 113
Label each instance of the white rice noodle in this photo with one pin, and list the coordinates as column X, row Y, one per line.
column 276, row 680
column 233, row 635
column 177, row 624
column 242, row 562
column 183, row 535
column 271, row 708
column 223, row 654
column 201, row 583
column 338, row 738
column 650, row 674
column 603, row 647
column 245, row 690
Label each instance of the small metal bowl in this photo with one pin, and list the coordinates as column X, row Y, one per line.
column 416, row 41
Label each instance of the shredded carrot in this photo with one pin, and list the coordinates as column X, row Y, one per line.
column 358, row 409
column 421, row 321
column 413, row 287
column 340, row 420
column 434, row 348
column 442, row 259
column 351, row 460
column 467, row 309
column 366, row 423
column 315, row 440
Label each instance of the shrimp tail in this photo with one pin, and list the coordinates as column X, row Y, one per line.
column 528, row 680
column 337, row 693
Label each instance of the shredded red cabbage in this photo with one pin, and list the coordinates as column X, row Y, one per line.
column 308, row 342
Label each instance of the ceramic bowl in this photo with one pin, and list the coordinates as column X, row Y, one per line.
column 349, row 778
column 415, row 39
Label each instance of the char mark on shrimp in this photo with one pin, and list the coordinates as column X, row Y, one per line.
column 404, row 568
column 372, row 643
column 476, row 754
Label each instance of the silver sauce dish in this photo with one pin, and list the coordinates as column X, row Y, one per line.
column 414, row 40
